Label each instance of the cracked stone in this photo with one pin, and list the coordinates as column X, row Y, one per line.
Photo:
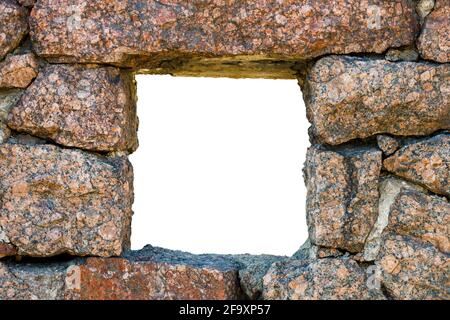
column 17, row 71
column 144, row 33
column 85, row 107
column 342, row 195
column 390, row 187
column 425, row 162
column 425, row 217
column 434, row 42
column 57, row 201
column 354, row 97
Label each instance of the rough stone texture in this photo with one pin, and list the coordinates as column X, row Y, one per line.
column 8, row 99
column 421, row 216
column 426, row 162
column 32, row 281
column 342, row 198
column 424, row 7
column 322, row 279
column 17, row 71
column 390, row 187
column 311, row 251
column 353, row 97
column 252, row 271
column 57, row 200
column 146, row 33
column 412, row 269
column 387, row 144
column 155, row 273
column 402, row 54
column 434, row 41
column 78, row 106
column 13, row 26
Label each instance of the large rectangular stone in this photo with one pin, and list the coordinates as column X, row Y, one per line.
column 167, row 35
column 92, row 108
column 353, row 97
column 55, row 201
column 342, row 198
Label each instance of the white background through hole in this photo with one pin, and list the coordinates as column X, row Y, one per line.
column 218, row 169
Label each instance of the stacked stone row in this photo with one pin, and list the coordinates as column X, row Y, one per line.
column 375, row 77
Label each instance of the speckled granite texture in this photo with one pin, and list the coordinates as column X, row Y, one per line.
column 375, row 77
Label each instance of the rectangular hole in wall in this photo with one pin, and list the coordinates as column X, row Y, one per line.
column 219, row 165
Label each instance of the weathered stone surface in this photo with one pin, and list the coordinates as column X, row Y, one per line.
column 412, row 269
column 402, row 54
column 387, row 144
column 353, row 97
column 421, row 216
column 434, row 41
column 57, row 201
column 426, row 162
column 17, row 71
column 27, row 3
column 150, row 273
column 424, row 7
column 78, row 106
column 322, row 279
column 32, row 281
column 342, row 199
column 311, row 251
column 13, row 26
column 8, row 99
column 390, row 187
column 252, row 271
column 145, row 33
column 155, row 273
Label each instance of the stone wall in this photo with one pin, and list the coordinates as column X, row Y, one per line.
column 375, row 77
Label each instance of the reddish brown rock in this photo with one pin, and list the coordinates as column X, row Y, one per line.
column 353, row 97
column 421, row 216
column 342, row 199
column 13, row 26
column 6, row 249
column 434, row 41
column 77, row 106
column 411, row 269
column 323, row 279
column 154, row 274
column 426, row 162
column 58, row 201
column 387, row 144
column 145, row 33
column 17, row 71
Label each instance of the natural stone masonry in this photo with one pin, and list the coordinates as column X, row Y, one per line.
column 146, row 33
column 322, row 279
column 150, row 273
column 376, row 81
column 57, row 201
column 352, row 97
column 412, row 269
column 389, row 187
column 13, row 26
column 421, row 216
column 434, row 41
column 77, row 106
column 17, row 71
column 342, row 199
column 426, row 162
